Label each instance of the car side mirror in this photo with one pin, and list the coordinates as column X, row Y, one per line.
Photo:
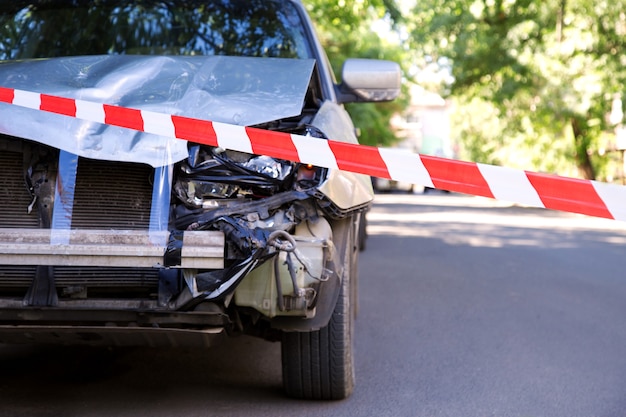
column 367, row 80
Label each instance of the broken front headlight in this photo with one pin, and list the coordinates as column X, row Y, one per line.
column 214, row 173
column 211, row 174
column 198, row 193
column 269, row 167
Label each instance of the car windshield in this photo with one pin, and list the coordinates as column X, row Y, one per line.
column 59, row 28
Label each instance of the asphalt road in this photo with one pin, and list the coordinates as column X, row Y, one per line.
column 468, row 308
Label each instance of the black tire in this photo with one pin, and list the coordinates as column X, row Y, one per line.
column 363, row 231
column 319, row 365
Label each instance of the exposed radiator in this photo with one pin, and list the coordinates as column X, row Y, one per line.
column 112, row 195
column 79, row 281
column 14, row 195
column 108, row 195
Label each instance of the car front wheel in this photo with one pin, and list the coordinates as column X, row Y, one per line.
column 319, row 364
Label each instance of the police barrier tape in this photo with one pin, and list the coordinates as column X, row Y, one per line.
column 516, row 186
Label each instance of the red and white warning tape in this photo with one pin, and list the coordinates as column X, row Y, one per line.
column 529, row 188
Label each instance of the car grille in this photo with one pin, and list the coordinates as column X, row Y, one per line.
column 108, row 195
column 14, row 196
column 112, row 195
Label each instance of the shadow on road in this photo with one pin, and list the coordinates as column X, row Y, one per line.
column 40, row 381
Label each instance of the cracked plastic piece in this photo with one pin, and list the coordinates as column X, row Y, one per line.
column 273, row 289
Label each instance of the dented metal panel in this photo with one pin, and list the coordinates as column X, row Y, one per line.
column 236, row 90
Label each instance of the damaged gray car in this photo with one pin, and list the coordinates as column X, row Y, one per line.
column 119, row 237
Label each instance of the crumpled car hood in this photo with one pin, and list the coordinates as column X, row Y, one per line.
column 236, row 90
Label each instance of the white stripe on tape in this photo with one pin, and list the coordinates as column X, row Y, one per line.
column 406, row 166
column 27, row 99
column 614, row 197
column 232, row 137
column 158, row 123
column 511, row 185
column 314, row 151
column 88, row 110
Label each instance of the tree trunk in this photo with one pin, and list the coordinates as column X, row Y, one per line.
column 581, row 143
column 560, row 21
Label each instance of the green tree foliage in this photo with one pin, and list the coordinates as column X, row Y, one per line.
column 543, row 72
column 345, row 30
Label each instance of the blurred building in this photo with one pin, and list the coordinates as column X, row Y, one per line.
column 424, row 127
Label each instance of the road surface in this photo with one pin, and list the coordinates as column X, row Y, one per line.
column 469, row 308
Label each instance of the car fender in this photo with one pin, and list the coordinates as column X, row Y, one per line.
column 347, row 190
